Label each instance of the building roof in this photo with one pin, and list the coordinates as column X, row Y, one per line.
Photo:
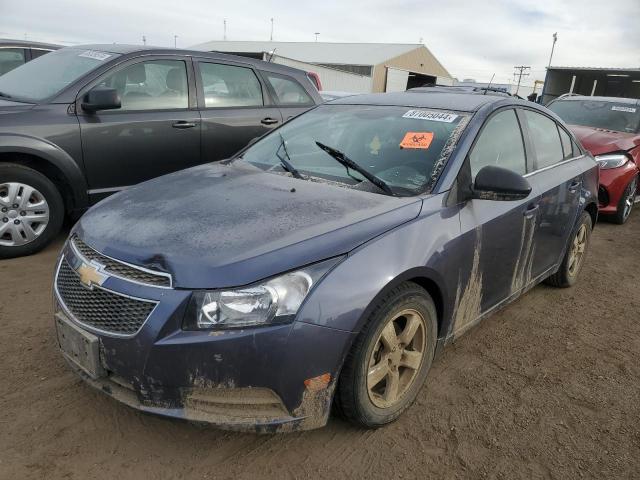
column 597, row 69
column 317, row 52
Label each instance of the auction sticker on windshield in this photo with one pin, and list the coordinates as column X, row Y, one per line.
column 623, row 109
column 417, row 140
column 95, row 55
column 430, row 115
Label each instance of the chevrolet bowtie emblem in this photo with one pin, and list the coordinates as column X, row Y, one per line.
column 90, row 275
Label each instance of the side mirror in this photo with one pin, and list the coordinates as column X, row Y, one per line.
column 101, row 98
column 496, row 183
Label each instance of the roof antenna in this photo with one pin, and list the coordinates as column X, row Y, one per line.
column 489, row 86
column 271, row 54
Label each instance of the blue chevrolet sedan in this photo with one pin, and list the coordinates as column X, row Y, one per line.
column 326, row 264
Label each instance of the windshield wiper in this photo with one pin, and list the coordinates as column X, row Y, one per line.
column 284, row 161
column 5, row 95
column 348, row 163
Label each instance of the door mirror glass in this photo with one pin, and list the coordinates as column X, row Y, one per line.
column 101, row 98
column 496, row 183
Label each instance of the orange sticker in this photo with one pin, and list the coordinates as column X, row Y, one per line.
column 417, row 140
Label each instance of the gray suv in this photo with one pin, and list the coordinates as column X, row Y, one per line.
column 84, row 122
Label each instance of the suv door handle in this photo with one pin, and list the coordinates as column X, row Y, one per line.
column 183, row 124
column 268, row 121
column 531, row 209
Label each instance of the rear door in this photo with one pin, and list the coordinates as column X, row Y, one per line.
column 290, row 96
column 235, row 107
column 558, row 180
column 504, row 230
column 156, row 131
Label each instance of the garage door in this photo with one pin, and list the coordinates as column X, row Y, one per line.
column 396, row 80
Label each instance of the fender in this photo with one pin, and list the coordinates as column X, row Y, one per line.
column 50, row 153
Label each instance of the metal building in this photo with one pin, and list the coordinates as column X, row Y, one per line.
column 349, row 67
column 602, row 82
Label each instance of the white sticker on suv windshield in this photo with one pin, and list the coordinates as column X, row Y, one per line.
column 95, row 55
column 430, row 115
column 623, row 109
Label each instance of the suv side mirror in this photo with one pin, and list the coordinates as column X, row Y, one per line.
column 496, row 183
column 101, row 98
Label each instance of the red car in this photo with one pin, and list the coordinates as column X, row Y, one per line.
column 609, row 128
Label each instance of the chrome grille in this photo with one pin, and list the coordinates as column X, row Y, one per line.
column 119, row 269
column 99, row 308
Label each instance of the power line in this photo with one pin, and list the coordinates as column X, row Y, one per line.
column 521, row 72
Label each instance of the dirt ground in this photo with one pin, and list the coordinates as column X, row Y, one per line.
column 547, row 388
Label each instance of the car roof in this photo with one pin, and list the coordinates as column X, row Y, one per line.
column 461, row 89
column 124, row 49
column 6, row 42
column 460, row 101
column 630, row 101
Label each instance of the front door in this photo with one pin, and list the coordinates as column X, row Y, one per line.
column 558, row 181
column 156, row 131
column 501, row 232
column 234, row 106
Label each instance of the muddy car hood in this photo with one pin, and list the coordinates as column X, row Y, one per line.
column 222, row 225
column 599, row 141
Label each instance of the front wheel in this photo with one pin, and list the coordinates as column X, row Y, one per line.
column 573, row 260
column 31, row 211
column 626, row 202
column 390, row 359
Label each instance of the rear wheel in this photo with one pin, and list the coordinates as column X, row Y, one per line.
column 31, row 211
column 573, row 260
column 625, row 205
column 390, row 359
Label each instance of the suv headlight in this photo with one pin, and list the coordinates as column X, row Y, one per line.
column 269, row 302
column 611, row 160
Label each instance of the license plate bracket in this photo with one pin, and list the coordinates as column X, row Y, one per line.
column 79, row 346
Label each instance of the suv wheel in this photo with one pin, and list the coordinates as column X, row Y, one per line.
column 31, row 211
column 626, row 202
column 390, row 359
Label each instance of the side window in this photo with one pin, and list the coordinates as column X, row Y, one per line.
column 566, row 143
column 229, row 86
column 37, row 52
column 10, row 58
column 576, row 149
column 500, row 144
column 151, row 85
column 545, row 138
column 288, row 91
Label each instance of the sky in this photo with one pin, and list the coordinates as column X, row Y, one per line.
column 472, row 39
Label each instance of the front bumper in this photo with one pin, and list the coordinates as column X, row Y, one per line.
column 249, row 379
column 613, row 182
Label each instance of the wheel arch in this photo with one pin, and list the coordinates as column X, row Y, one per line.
column 51, row 161
column 592, row 209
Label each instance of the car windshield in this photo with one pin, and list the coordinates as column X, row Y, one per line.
column 404, row 147
column 49, row 74
column 621, row 117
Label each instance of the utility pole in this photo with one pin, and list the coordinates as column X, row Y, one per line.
column 521, row 72
column 175, row 41
column 144, row 40
column 224, row 22
column 316, row 34
column 271, row 36
column 555, row 39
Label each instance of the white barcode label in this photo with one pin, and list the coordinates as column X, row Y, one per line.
column 430, row 115
column 623, row 109
column 95, row 55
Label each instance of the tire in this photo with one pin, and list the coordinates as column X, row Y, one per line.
column 625, row 205
column 36, row 221
column 567, row 274
column 403, row 305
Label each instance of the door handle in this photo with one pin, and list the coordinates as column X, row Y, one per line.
column 574, row 186
column 268, row 121
column 531, row 209
column 183, row 124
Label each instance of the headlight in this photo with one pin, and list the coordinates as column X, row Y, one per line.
column 612, row 160
column 270, row 302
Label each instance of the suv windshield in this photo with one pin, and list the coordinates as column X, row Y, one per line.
column 49, row 74
column 622, row 117
column 404, row 147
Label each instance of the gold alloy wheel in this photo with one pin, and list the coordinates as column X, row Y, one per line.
column 396, row 358
column 577, row 250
